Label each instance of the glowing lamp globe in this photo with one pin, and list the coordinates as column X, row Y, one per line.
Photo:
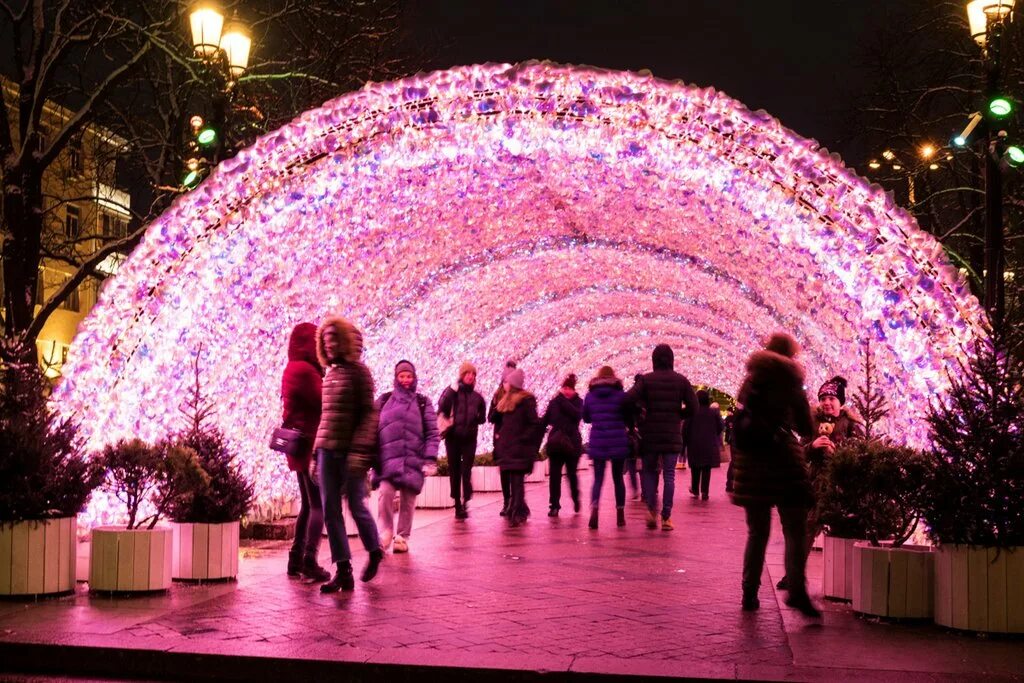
column 206, row 23
column 236, row 44
column 982, row 13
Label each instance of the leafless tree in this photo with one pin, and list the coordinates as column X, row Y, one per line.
column 128, row 68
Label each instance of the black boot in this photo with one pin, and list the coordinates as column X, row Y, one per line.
column 294, row 563
column 460, row 512
column 312, row 570
column 620, row 516
column 370, row 570
column 553, row 512
column 593, row 518
column 750, row 601
column 576, row 503
column 799, row 600
column 504, row 510
column 342, row 580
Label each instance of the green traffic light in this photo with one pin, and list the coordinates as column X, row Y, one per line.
column 1000, row 107
column 1015, row 155
column 207, row 136
column 191, row 178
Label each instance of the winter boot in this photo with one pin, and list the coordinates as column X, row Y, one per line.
column 750, row 601
column 553, row 512
column 312, row 570
column 620, row 516
column 652, row 519
column 342, row 580
column 294, row 563
column 593, row 518
column 799, row 600
column 370, row 570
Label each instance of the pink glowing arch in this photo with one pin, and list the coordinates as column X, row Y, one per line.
column 564, row 216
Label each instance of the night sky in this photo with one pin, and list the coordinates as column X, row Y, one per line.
column 801, row 61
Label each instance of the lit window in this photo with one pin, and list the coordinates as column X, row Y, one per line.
column 72, row 222
column 76, row 159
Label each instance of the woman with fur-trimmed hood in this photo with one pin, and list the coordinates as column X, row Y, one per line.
column 770, row 469
column 519, row 433
column 345, row 444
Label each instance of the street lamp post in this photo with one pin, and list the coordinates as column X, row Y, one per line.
column 225, row 51
column 988, row 19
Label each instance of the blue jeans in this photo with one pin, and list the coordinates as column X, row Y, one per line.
column 666, row 462
column 309, row 526
column 620, row 486
column 333, row 472
column 355, row 490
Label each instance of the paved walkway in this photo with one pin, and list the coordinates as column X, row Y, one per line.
column 551, row 596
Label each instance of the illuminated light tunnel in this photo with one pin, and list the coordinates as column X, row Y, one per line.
column 566, row 217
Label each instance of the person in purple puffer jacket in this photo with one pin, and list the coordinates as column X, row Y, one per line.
column 610, row 411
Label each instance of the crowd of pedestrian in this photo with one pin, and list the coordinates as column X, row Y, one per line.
column 347, row 440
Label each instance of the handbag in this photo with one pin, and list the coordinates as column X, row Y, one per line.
column 288, row 441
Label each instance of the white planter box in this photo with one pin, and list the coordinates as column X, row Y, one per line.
column 485, row 479
column 893, row 582
column 131, row 560
column 38, row 557
column 838, row 568
column 205, row 551
column 980, row 589
column 436, row 493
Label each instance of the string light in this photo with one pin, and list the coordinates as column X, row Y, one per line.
column 562, row 216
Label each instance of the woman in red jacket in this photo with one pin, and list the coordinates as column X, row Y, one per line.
column 300, row 392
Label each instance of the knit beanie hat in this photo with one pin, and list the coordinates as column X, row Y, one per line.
column 466, row 367
column 510, row 365
column 606, row 372
column 783, row 344
column 405, row 366
column 569, row 381
column 834, row 387
column 516, row 378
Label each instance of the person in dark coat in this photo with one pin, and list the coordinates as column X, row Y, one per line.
column 608, row 410
column 770, row 468
column 408, row 442
column 565, row 443
column 346, row 434
column 465, row 409
column 300, row 395
column 494, row 417
column 832, row 423
column 666, row 399
column 702, row 437
column 632, row 476
column 517, row 441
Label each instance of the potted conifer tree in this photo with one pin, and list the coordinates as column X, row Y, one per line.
column 972, row 505
column 206, row 524
column 45, row 481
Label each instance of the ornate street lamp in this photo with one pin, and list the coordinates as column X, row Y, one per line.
column 982, row 15
column 236, row 44
column 206, row 22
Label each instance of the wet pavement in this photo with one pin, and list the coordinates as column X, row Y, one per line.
column 552, row 598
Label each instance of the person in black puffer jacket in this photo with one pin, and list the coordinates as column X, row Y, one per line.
column 702, row 434
column 770, row 467
column 666, row 399
column 466, row 410
column 518, row 441
column 565, row 443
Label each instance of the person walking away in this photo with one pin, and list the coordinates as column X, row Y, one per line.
column 667, row 398
column 517, row 441
column 464, row 410
column 608, row 410
column 301, row 385
column 346, row 427
column 494, row 417
column 833, row 422
column 770, row 467
column 565, row 443
column 730, row 416
column 408, row 441
column 634, row 447
column 702, row 438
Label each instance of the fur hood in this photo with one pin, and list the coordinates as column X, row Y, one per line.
column 613, row 382
column 765, row 367
column 350, row 341
column 302, row 345
column 511, row 400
